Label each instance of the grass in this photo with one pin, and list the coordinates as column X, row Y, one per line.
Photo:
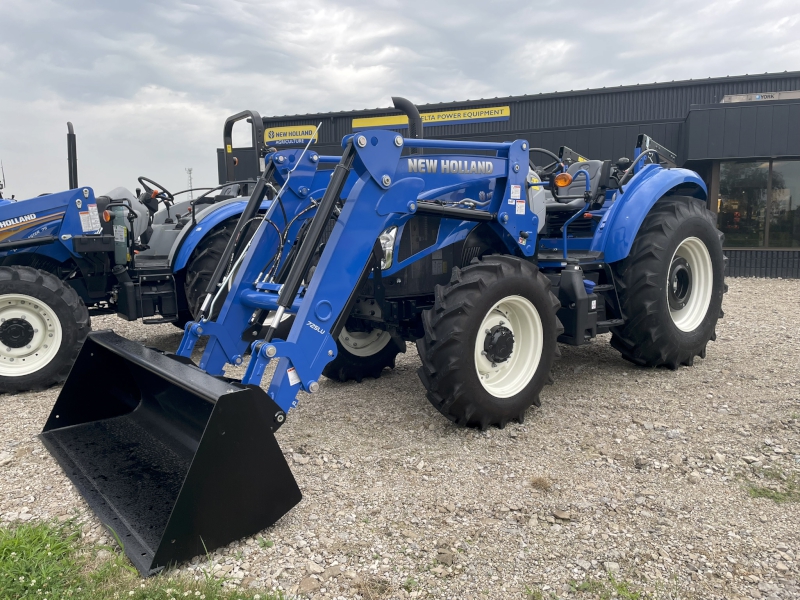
column 534, row 594
column 788, row 489
column 373, row 588
column 264, row 543
column 790, row 494
column 590, row 586
column 596, row 588
column 619, row 588
column 624, row 589
column 45, row 560
column 542, row 484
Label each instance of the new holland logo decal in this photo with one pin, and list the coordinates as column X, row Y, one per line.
column 17, row 221
column 432, row 165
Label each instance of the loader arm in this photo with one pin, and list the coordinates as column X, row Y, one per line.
column 303, row 190
column 388, row 191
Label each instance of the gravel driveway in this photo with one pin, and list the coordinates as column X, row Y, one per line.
column 647, row 474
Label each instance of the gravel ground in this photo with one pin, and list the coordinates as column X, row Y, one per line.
column 647, row 474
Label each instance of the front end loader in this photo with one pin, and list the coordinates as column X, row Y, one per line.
column 469, row 249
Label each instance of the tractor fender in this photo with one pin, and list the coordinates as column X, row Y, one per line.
column 619, row 226
column 207, row 219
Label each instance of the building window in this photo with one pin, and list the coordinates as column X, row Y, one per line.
column 759, row 204
column 742, row 205
column 784, row 209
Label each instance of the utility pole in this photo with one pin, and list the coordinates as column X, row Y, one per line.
column 189, row 173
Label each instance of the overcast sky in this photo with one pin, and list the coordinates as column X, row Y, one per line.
column 149, row 84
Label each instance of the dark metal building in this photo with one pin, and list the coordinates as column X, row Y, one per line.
column 742, row 134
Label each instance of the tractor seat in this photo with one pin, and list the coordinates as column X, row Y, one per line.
column 577, row 187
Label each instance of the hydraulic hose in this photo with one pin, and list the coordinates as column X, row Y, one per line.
column 249, row 212
column 309, row 246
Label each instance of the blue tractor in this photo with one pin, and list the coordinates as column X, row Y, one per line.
column 468, row 249
column 144, row 255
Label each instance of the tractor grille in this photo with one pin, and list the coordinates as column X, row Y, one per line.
column 578, row 228
column 419, row 233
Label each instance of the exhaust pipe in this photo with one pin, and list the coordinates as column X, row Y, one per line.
column 72, row 157
column 414, row 119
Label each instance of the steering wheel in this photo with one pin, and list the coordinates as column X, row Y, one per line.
column 164, row 194
column 550, row 168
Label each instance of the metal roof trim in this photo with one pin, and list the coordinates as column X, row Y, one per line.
column 543, row 96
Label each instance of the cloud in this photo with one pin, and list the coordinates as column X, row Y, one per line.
column 149, row 84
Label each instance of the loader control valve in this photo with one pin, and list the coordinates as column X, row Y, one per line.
column 498, row 344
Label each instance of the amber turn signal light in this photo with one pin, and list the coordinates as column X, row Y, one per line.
column 563, row 179
column 107, row 216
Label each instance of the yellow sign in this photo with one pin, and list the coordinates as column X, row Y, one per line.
column 446, row 117
column 291, row 134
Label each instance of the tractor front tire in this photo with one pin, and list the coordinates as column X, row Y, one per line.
column 670, row 286
column 363, row 354
column 43, row 324
column 203, row 261
column 490, row 342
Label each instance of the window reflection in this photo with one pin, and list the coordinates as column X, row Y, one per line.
column 743, row 202
column 784, row 212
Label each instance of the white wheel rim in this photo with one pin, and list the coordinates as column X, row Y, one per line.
column 46, row 340
column 360, row 343
column 691, row 314
column 509, row 377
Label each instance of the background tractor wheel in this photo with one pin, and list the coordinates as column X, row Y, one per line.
column 184, row 317
column 363, row 354
column 43, row 324
column 671, row 285
column 203, row 261
column 490, row 342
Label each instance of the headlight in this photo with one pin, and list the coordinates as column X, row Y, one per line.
column 387, row 243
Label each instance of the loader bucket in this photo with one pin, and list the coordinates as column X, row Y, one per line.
column 175, row 462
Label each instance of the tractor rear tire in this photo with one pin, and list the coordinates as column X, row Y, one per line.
column 203, row 261
column 43, row 324
column 363, row 355
column 490, row 342
column 671, row 285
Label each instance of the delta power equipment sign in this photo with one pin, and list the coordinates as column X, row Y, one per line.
column 293, row 135
column 444, row 117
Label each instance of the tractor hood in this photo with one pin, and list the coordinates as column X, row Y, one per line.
column 34, row 217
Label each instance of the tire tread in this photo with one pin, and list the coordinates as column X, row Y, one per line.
column 441, row 348
column 640, row 339
column 58, row 369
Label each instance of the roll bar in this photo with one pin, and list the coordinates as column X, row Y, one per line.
column 227, row 138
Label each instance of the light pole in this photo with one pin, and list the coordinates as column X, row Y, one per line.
column 189, row 173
